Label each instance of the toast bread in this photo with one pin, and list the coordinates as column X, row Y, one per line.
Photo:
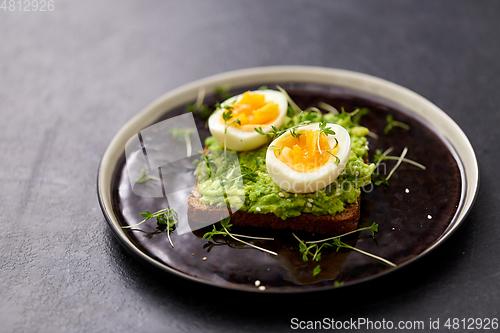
column 338, row 224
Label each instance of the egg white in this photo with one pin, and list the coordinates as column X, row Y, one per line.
column 239, row 140
column 309, row 182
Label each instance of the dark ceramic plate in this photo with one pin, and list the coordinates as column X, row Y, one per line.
column 417, row 212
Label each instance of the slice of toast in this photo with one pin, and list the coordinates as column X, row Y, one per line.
column 341, row 223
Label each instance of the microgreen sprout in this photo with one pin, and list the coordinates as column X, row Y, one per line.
column 312, row 249
column 373, row 228
column 248, row 173
column 337, row 242
column 323, row 128
column 328, row 107
column 186, row 134
column 391, row 123
column 225, row 231
column 362, row 112
column 385, row 181
column 198, row 105
column 207, row 162
column 403, row 154
column 223, row 92
column 226, row 116
column 295, row 109
column 278, row 148
column 357, row 118
column 292, row 104
column 337, row 159
column 261, row 132
column 200, row 98
column 382, row 181
column 145, row 177
column 166, row 217
column 326, row 131
column 350, row 114
column 379, row 157
column 316, row 270
column 273, row 134
column 338, row 283
column 294, row 133
column 406, row 160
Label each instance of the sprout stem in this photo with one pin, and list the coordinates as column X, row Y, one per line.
column 406, row 161
column 294, row 106
column 399, row 162
column 152, row 216
column 385, row 261
column 388, row 151
column 249, row 244
column 330, row 238
column 200, row 98
column 328, row 107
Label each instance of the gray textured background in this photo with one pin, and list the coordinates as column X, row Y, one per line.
column 69, row 79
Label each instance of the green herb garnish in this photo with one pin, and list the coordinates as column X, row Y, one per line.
column 337, row 242
column 278, row 148
column 373, row 228
column 379, row 157
column 248, row 173
column 292, row 104
column 222, row 92
column 338, row 283
column 295, row 109
column 166, row 217
column 273, row 134
column 385, row 181
column 186, row 134
column 324, row 129
column 328, row 131
column 225, row 231
column 198, row 105
column 312, row 250
column 294, row 133
column 391, row 123
column 328, row 108
column 357, row 117
column 145, row 177
column 226, row 116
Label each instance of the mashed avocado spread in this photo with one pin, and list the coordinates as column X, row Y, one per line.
column 262, row 196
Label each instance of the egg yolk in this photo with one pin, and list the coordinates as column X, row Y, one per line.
column 306, row 153
column 252, row 110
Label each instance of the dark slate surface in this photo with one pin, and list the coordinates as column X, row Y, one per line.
column 69, row 79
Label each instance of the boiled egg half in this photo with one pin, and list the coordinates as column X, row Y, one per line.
column 250, row 110
column 305, row 159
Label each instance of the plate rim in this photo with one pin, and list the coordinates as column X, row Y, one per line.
column 413, row 102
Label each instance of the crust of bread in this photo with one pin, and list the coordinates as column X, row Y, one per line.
column 341, row 223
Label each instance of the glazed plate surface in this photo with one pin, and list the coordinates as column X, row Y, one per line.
column 417, row 212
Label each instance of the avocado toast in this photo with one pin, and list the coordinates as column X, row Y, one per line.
column 333, row 209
